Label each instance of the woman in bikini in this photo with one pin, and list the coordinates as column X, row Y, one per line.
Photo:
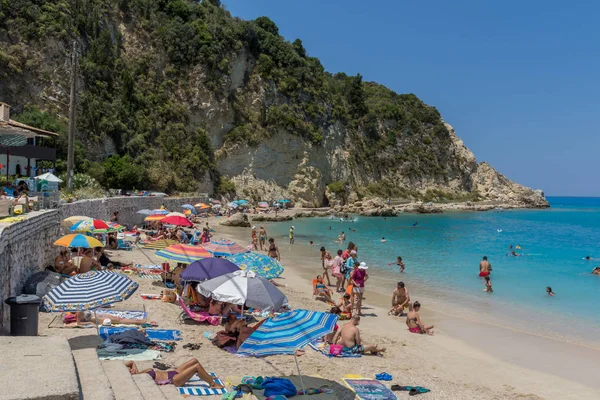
column 178, row 376
column 273, row 250
column 322, row 290
column 413, row 321
column 262, row 238
column 63, row 265
column 326, row 263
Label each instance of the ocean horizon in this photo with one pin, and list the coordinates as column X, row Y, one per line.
column 442, row 254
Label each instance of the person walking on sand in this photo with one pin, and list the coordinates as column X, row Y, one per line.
column 273, row 250
column 262, row 238
column 327, row 264
column 485, row 267
column 292, row 235
column 349, row 337
column 400, row 300
column 358, row 278
column 336, row 271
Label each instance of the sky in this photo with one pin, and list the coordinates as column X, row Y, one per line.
column 518, row 80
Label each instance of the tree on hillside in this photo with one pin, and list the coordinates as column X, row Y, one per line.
column 299, row 48
column 357, row 98
column 268, row 25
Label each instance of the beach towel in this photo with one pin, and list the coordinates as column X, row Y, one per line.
column 369, row 389
column 198, row 387
column 153, row 334
column 146, row 275
column 129, row 355
column 214, row 320
column 324, row 349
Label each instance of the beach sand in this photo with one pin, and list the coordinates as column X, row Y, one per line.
column 444, row 363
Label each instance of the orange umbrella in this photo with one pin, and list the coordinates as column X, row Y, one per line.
column 154, row 217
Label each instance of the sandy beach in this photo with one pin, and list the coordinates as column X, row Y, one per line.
column 463, row 360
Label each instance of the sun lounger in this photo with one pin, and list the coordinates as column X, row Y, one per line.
column 197, row 387
column 214, row 320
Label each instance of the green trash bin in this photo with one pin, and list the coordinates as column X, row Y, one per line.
column 24, row 313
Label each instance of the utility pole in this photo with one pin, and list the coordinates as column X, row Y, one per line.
column 72, row 114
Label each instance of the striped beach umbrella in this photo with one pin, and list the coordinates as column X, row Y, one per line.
column 67, row 222
column 145, row 212
column 183, row 253
column 178, row 220
column 224, row 248
column 78, row 240
column 89, row 291
column 187, row 207
column 160, row 211
column 115, row 226
column 154, row 217
column 90, row 225
column 288, row 332
column 260, row 264
column 159, row 244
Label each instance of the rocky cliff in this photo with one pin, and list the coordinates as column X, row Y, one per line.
column 204, row 101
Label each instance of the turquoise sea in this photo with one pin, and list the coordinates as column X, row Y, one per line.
column 442, row 255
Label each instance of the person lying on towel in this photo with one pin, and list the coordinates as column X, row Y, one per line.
column 179, row 376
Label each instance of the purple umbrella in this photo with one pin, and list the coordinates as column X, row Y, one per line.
column 207, row 268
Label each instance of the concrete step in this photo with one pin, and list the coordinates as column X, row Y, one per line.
column 148, row 388
column 170, row 392
column 93, row 382
column 121, row 381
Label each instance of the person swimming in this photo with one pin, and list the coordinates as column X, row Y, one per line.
column 549, row 291
column 383, row 240
column 416, row 223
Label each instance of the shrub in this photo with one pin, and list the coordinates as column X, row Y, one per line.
column 123, row 173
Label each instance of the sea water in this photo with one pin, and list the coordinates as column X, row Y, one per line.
column 442, row 254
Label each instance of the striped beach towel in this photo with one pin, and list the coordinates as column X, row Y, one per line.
column 145, row 275
column 198, row 387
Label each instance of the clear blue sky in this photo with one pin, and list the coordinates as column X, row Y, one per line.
column 518, row 80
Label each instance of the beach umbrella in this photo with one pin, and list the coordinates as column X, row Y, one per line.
column 216, row 206
column 260, row 264
column 232, row 205
column 223, row 248
column 288, row 332
column 242, row 202
column 145, row 212
column 90, row 225
column 160, row 211
column 176, row 220
column 67, row 222
column 89, row 291
column 201, row 206
column 242, row 287
column 154, row 217
column 284, row 201
column 175, row 214
column 183, row 253
column 207, row 268
column 78, row 240
column 160, row 244
column 263, row 204
column 50, row 177
column 187, row 207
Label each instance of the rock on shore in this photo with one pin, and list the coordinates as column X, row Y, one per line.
column 237, row 219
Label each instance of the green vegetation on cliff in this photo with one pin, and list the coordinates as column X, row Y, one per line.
column 141, row 64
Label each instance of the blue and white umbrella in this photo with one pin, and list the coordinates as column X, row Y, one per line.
column 158, row 211
column 187, row 207
column 145, row 212
column 287, row 333
column 89, row 291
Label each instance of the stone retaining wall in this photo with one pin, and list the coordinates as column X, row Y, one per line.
column 27, row 246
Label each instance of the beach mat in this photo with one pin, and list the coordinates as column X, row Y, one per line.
column 197, row 387
column 323, row 349
column 369, row 389
column 310, row 381
column 153, row 334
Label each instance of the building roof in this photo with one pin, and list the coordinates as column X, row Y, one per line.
column 13, row 127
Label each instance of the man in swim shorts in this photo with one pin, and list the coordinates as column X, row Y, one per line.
column 485, row 267
column 400, row 300
column 349, row 337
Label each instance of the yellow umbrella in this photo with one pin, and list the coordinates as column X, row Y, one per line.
column 68, row 222
column 154, row 217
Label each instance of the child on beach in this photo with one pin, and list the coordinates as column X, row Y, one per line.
column 488, row 285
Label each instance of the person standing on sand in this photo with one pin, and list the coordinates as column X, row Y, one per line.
column 254, row 238
column 485, row 267
column 326, row 263
column 273, row 250
column 358, row 278
column 336, row 270
column 349, row 336
column 262, row 237
column 292, row 235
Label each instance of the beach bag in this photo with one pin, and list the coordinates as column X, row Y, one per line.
column 343, row 269
column 335, row 349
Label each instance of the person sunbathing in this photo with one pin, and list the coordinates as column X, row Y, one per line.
column 321, row 290
column 179, row 376
column 63, row 265
column 88, row 263
column 413, row 321
column 349, row 337
column 84, row 318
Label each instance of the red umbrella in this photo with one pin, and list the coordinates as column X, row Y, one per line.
column 176, row 220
